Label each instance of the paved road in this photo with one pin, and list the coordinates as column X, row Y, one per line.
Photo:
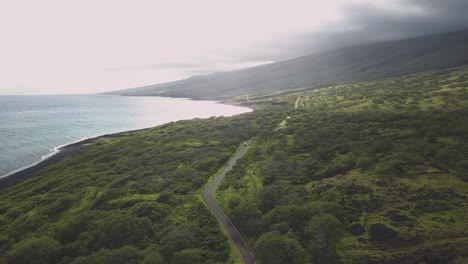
column 246, row 255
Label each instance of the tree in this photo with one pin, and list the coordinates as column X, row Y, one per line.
column 323, row 231
column 176, row 240
column 124, row 255
column 245, row 215
column 269, row 196
column 35, row 251
column 391, row 168
column 190, row 255
column 274, row 248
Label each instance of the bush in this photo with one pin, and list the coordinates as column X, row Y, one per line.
column 124, row 255
column 461, row 170
column 35, row 251
column 274, row 248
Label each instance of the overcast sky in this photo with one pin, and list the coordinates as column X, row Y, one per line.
column 88, row 46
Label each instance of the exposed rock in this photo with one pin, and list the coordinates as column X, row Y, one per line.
column 357, row 229
column 438, row 219
column 381, row 232
column 432, row 205
column 381, row 183
column 396, row 216
column 362, row 240
column 357, row 189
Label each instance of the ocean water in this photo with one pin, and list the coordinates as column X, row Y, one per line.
column 32, row 128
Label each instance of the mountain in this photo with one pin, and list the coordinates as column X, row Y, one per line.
column 356, row 63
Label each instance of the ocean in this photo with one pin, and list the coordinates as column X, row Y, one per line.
column 32, row 128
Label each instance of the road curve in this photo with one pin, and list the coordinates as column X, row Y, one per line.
column 246, row 255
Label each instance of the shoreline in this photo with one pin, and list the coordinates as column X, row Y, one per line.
column 68, row 150
column 55, row 150
column 63, row 152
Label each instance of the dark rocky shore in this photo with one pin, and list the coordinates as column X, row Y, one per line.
column 63, row 153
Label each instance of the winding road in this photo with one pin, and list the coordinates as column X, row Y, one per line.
column 239, row 243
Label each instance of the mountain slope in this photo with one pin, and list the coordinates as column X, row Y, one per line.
column 357, row 63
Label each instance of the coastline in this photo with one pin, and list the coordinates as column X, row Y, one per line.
column 68, row 150
column 62, row 153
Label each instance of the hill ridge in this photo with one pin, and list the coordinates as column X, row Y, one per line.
column 348, row 64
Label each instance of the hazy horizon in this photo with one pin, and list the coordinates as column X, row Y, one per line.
column 52, row 47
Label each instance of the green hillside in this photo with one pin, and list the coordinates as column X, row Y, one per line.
column 359, row 63
column 368, row 172
column 364, row 172
column 131, row 199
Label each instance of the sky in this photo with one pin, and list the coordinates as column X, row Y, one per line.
column 91, row 46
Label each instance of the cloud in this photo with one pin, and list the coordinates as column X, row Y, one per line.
column 370, row 22
column 106, row 45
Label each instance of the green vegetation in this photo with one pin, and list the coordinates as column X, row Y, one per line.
column 368, row 172
column 131, row 199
